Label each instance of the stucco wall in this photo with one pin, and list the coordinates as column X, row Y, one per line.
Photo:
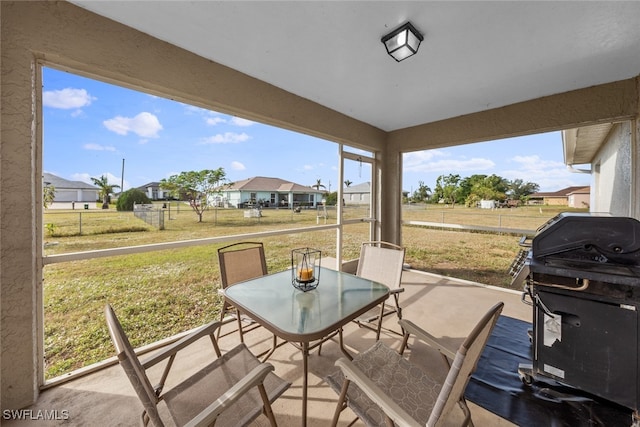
column 555, row 201
column 357, row 198
column 579, row 201
column 612, row 173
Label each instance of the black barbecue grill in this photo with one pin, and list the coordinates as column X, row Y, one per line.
column 581, row 274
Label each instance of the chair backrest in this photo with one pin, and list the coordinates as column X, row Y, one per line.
column 463, row 366
column 382, row 262
column 241, row 261
column 132, row 367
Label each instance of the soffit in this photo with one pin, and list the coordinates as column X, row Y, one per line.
column 475, row 56
column 582, row 144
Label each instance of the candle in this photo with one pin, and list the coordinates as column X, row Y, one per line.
column 305, row 274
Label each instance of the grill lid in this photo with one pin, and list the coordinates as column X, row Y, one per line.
column 589, row 238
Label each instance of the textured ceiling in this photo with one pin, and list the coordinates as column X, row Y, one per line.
column 475, row 56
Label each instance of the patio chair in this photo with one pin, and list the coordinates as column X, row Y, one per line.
column 414, row 398
column 382, row 262
column 232, row 390
column 239, row 262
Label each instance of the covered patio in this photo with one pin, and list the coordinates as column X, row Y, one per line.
column 485, row 71
column 446, row 307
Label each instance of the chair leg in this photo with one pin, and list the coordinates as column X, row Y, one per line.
column 267, row 406
column 341, row 403
column 405, row 343
column 380, row 317
column 225, row 307
column 468, row 422
column 398, row 308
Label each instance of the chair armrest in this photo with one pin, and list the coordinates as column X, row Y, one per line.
column 375, row 393
column 172, row 349
column 395, row 291
column 412, row 329
column 211, row 412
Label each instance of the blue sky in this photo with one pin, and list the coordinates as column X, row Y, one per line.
column 90, row 127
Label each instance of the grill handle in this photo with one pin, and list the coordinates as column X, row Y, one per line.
column 525, row 242
column 583, row 287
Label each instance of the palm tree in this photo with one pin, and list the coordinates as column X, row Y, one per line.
column 105, row 189
column 348, row 183
column 318, row 184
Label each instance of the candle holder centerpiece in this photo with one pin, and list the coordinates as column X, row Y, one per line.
column 305, row 268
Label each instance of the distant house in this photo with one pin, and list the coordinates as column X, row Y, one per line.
column 574, row 197
column 70, row 191
column 154, row 192
column 357, row 194
column 580, row 198
column 268, row 193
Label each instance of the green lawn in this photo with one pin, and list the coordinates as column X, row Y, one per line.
column 161, row 293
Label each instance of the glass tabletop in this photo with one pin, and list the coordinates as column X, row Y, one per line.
column 305, row 316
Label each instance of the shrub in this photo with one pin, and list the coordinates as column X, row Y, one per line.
column 129, row 197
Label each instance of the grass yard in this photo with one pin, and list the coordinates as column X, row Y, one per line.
column 161, row 293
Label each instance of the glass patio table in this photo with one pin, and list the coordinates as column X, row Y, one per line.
column 306, row 319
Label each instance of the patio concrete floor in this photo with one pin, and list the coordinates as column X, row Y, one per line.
column 446, row 307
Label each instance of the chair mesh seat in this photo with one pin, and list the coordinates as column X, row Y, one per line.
column 405, row 383
column 197, row 392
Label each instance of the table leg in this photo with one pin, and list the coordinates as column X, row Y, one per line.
column 305, row 356
column 342, row 348
column 273, row 349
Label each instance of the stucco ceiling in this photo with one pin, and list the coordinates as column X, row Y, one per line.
column 475, row 56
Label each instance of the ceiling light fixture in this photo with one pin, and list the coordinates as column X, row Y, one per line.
column 402, row 42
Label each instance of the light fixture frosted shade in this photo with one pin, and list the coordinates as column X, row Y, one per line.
column 402, row 42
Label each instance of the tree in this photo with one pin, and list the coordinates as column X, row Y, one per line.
column 483, row 187
column 105, row 189
column 130, row 197
column 422, row 194
column 48, row 194
column 447, row 188
column 347, row 183
column 331, row 199
column 319, row 185
column 520, row 190
column 197, row 186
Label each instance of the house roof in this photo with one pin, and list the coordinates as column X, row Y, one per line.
column 153, row 184
column 61, row 183
column 261, row 183
column 364, row 187
column 563, row 193
column 583, row 190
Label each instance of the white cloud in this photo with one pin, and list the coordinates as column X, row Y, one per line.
column 430, row 161
column 213, row 121
column 237, row 121
column 535, row 164
column 416, row 159
column 226, row 138
column 307, row 167
column 144, row 124
column 66, row 99
column 237, row 166
column 98, row 147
